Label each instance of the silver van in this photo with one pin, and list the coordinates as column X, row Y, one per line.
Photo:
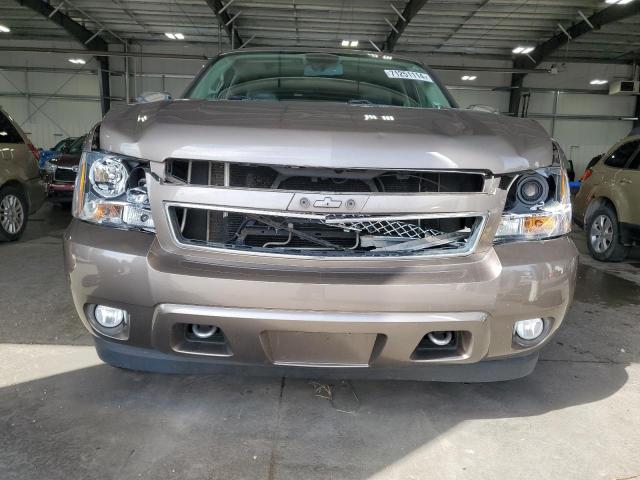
column 22, row 190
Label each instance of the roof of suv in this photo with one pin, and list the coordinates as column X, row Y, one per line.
column 330, row 51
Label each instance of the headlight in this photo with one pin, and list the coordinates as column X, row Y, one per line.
column 108, row 176
column 538, row 206
column 111, row 190
column 50, row 167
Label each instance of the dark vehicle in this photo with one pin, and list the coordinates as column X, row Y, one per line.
column 60, row 172
column 61, row 147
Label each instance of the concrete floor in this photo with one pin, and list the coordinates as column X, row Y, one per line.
column 65, row 415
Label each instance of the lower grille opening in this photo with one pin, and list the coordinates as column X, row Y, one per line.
column 199, row 339
column 323, row 235
column 64, row 175
column 441, row 344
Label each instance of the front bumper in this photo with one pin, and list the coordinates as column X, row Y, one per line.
column 60, row 188
column 357, row 319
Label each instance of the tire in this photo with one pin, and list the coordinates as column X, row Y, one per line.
column 603, row 235
column 14, row 212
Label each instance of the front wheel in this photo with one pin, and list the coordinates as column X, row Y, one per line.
column 603, row 236
column 13, row 213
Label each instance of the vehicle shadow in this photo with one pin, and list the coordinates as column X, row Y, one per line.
column 101, row 422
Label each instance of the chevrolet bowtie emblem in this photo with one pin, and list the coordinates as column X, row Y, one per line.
column 327, row 202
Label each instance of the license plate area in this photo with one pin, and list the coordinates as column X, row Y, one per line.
column 321, row 349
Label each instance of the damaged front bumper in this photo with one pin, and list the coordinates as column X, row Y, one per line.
column 301, row 315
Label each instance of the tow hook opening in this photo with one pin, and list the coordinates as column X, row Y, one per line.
column 203, row 332
column 442, row 344
column 441, row 339
column 200, row 339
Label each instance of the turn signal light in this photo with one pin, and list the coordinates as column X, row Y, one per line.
column 540, row 224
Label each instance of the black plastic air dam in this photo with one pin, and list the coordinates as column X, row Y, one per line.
column 146, row 360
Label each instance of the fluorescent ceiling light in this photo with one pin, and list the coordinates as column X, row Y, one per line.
column 618, row 2
column 4, row 29
column 349, row 43
column 469, row 78
column 78, row 61
column 597, row 81
column 523, row 50
column 3, row 134
column 354, row 43
column 345, row 43
column 179, row 36
column 174, row 35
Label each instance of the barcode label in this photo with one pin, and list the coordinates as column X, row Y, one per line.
column 406, row 75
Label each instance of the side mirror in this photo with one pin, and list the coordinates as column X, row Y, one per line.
column 148, row 97
column 483, row 108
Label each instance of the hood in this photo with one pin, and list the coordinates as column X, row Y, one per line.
column 326, row 135
column 68, row 160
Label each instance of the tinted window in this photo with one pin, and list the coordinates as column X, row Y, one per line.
column 76, row 146
column 356, row 79
column 8, row 133
column 63, row 145
column 621, row 156
column 635, row 163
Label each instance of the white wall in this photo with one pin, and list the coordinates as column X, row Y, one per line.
column 48, row 120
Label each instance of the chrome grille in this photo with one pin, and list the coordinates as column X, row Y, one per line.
column 64, row 175
column 348, row 236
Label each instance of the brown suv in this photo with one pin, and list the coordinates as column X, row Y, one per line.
column 321, row 213
column 608, row 203
column 22, row 190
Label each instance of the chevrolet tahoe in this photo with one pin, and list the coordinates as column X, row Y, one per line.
column 321, row 213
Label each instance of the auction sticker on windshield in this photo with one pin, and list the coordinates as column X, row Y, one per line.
column 406, row 75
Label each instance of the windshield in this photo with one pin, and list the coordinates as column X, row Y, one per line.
column 358, row 79
column 76, row 146
column 63, row 145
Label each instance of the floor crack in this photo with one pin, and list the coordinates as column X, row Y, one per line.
column 276, row 435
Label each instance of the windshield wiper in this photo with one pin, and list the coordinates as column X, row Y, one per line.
column 359, row 101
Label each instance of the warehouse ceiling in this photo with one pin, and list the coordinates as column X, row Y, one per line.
column 480, row 28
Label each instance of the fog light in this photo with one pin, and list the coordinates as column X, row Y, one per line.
column 529, row 329
column 109, row 317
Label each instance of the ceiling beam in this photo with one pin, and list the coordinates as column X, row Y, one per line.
column 224, row 19
column 73, row 28
column 543, row 51
column 612, row 14
column 410, row 11
column 89, row 40
column 464, row 22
